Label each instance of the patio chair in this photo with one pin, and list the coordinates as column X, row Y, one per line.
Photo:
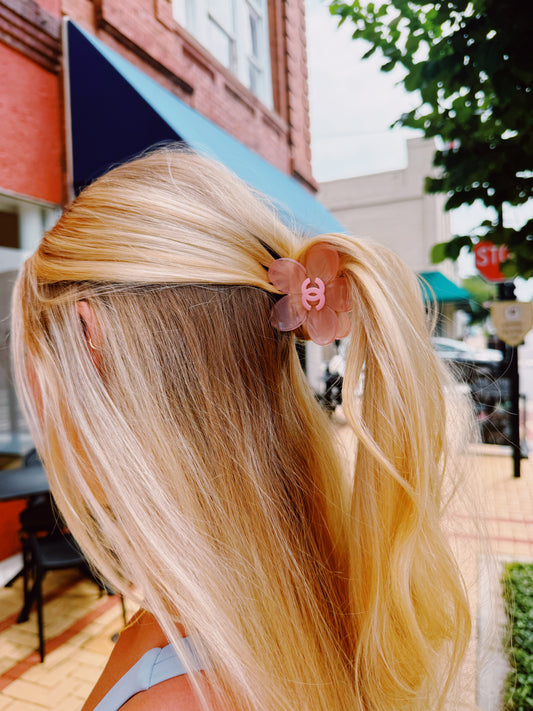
column 38, row 517
column 47, row 545
column 53, row 552
column 56, row 551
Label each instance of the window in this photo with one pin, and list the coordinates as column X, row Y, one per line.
column 22, row 224
column 236, row 33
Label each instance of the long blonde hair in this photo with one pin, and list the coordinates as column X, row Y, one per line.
column 192, row 463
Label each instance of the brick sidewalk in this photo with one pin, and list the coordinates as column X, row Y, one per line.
column 80, row 624
column 493, row 523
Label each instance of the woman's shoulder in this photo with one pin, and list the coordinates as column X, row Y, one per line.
column 172, row 695
column 140, row 636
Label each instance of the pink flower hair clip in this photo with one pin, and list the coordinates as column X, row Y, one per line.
column 315, row 295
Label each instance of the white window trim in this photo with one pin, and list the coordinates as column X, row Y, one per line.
column 240, row 59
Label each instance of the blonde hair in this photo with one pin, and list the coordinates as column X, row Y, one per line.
column 192, row 463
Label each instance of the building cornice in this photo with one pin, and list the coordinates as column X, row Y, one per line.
column 31, row 30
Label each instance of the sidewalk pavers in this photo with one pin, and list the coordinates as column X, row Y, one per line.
column 80, row 625
column 491, row 521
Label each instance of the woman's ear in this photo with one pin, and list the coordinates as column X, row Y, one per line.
column 91, row 329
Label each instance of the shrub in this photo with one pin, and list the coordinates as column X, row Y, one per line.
column 517, row 585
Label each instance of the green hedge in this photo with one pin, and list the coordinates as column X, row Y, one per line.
column 517, row 585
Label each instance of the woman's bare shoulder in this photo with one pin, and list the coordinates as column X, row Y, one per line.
column 172, row 695
column 142, row 634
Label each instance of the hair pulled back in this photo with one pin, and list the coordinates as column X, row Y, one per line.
column 193, row 465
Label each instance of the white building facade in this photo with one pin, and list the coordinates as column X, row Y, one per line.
column 393, row 209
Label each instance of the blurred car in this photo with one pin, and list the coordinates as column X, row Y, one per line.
column 450, row 349
column 469, row 362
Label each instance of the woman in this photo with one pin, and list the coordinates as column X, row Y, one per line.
column 155, row 345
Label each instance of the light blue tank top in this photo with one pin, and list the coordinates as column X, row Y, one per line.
column 157, row 665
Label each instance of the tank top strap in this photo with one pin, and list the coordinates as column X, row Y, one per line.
column 155, row 666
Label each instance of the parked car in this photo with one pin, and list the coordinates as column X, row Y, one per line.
column 450, row 349
column 469, row 363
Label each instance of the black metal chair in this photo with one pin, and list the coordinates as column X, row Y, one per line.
column 46, row 545
column 56, row 551
column 39, row 517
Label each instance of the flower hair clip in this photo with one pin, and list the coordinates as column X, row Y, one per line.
column 316, row 295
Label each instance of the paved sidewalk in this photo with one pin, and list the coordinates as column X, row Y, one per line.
column 80, row 624
column 505, row 503
column 490, row 525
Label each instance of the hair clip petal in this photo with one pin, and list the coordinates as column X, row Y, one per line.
column 287, row 275
column 343, row 325
column 338, row 294
column 322, row 325
column 323, row 262
column 288, row 313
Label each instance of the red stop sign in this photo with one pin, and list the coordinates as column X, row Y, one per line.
column 489, row 257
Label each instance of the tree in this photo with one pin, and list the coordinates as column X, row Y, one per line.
column 480, row 293
column 470, row 61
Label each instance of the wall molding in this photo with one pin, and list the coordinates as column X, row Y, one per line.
column 28, row 28
column 103, row 23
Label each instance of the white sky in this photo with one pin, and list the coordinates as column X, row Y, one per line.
column 353, row 104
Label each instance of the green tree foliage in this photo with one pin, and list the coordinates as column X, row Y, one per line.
column 470, row 61
column 480, row 293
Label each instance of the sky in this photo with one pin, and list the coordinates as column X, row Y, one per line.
column 352, row 106
column 352, row 103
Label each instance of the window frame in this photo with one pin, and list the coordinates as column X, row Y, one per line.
column 194, row 16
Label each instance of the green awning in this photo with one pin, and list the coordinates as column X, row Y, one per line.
column 436, row 287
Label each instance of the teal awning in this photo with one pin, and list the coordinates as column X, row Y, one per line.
column 116, row 111
column 435, row 286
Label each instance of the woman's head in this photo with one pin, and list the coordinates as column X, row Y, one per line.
column 190, row 459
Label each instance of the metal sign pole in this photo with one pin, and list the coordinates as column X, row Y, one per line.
column 506, row 293
column 515, row 410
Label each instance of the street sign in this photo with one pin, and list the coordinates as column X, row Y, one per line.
column 489, row 257
column 512, row 320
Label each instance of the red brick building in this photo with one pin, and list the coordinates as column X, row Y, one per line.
column 239, row 63
column 270, row 117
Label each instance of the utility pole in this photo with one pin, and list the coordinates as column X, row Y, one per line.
column 506, row 293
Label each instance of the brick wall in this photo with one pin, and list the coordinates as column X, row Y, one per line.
column 148, row 36
column 31, row 134
column 297, row 89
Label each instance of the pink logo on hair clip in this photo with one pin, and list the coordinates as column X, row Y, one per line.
column 315, row 295
column 312, row 293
